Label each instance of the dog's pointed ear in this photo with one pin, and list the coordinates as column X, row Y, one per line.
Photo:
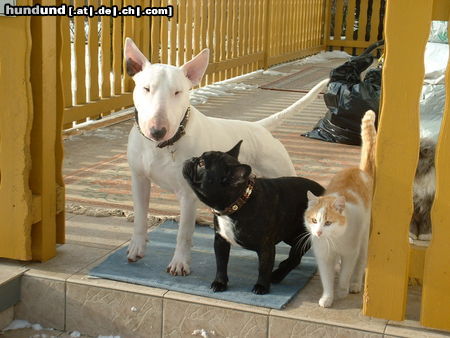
column 235, row 150
column 135, row 60
column 240, row 174
column 195, row 68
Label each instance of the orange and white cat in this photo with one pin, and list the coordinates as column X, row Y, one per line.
column 339, row 221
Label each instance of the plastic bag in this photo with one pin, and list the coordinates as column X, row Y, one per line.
column 348, row 98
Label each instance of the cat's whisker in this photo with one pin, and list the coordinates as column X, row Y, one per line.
column 304, row 241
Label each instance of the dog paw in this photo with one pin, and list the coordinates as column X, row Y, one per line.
column 178, row 267
column 260, row 289
column 325, row 301
column 277, row 276
column 217, row 286
column 355, row 288
column 136, row 248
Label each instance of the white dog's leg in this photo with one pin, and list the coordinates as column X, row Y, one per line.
column 182, row 256
column 140, row 187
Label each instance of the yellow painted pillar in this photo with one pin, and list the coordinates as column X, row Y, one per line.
column 46, row 132
column 16, row 116
column 407, row 29
column 435, row 310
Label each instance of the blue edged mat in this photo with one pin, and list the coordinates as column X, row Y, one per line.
column 242, row 269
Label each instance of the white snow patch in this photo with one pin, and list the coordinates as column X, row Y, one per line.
column 201, row 95
column 203, row 333
column 324, row 57
column 134, row 309
column 37, row 327
column 75, row 334
column 275, row 73
column 17, row 325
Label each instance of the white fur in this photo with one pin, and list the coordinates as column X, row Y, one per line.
column 160, row 107
column 425, row 185
column 226, row 229
column 347, row 243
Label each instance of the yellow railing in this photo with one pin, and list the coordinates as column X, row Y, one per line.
column 354, row 25
column 243, row 36
column 392, row 260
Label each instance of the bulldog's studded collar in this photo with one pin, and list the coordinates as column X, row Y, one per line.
column 240, row 201
column 180, row 132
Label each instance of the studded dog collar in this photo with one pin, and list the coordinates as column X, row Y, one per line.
column 180, row 132
column 240, row 201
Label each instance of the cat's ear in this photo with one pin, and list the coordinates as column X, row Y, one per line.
column 235, row 150
column 240, row 174
column 312, row 199
column 339, row 204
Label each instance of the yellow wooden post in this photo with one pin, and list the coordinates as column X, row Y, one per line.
column 350, row 21
column 16, row 116
column 66, row 72
column 80, row 42
column 397, row 154
column 267, row 24
column 173, row 34
column 106, row 52
column 156, row 36
column 93, row 55
column 327, row 23
column 44, row 132
column 127, row 32
column 60, row 217
column 181, row 29
column 117, row 51
column 436, row 280
column 164, row 36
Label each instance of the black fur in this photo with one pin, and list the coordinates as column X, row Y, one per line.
column 273, row 213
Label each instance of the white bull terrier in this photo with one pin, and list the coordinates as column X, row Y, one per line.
column 169, row 130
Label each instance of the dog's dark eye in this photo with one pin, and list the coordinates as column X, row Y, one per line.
column 177, row 92
column 147, row 89
column 201, row 163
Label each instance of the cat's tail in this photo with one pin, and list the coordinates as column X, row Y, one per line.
column 276, row 119
column 369, row 139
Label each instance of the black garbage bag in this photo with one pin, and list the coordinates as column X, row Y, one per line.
column 348, row 98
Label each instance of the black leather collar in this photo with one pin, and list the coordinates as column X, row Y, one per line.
column 240, row 201
column 180, row 132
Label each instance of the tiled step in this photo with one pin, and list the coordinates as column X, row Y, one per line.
column 59, row 294
column 10, row 278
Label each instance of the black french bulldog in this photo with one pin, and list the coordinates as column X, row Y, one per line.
column 255, row 213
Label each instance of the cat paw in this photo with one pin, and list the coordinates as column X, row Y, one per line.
column 277, row 276
column 412, row 235
column 325, row 301
column 217, row 286
column 341, row 293
column 355, row 288
column 260, row 289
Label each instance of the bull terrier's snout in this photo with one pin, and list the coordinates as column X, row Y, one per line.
column 158, row 134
